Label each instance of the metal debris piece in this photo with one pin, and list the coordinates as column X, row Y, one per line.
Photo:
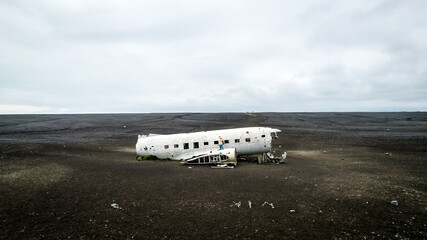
column 236, row 204
column 292, row 211
column 116, row 206
column 394, row 202
column 250, row 204
column 271, row 204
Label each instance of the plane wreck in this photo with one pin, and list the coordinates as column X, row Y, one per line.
column 216, row 147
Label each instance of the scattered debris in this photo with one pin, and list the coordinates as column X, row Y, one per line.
column 292, row 211
column 271, row 204
column 269, row 158
column 394, row 202
column 116, row 206
column 225, row 166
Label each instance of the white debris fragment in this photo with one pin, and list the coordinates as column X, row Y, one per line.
column 250, row 203
column 116, row 206
column 394, row 202
column 271, row 204
column 190, row 167
column 236, row 204
column 124, row 126
column 292, row 211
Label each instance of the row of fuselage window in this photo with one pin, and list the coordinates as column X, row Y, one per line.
column 196, row 144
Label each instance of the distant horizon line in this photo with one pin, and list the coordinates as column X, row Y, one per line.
column 247, row 112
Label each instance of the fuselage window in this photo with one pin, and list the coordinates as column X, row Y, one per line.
column 263, row 135
column 236, row 140
column 145, row 148
column 248, row 140
column 206, row 143
column 226, row 141
column 166, row 146
column 186, row 146
column 176, row 146
column 196, row 145
column 215, row 142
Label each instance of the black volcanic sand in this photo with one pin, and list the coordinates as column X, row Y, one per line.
column 60, row 174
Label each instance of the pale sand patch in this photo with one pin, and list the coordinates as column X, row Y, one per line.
column 42, row 175
column 305, row 153
column 126, row 149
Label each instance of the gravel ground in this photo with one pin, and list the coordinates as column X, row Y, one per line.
column 75, row 176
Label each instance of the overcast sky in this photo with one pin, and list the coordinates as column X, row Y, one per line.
column 212, row 56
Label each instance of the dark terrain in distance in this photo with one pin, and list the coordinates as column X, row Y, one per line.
column 60, row 174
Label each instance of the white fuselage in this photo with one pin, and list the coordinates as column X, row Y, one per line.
column 246, row 141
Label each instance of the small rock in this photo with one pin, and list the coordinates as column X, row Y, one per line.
column 394, row 202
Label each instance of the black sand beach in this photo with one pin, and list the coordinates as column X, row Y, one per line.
column 60, row 175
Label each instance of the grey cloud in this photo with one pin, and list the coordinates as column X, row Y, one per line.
column 149, row 56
